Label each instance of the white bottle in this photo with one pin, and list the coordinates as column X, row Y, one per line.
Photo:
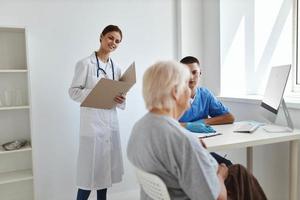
column 8, row 97
column 1, row 102
column 19, row 97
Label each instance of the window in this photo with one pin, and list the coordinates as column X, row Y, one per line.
column 296, row 72
column 254, row 36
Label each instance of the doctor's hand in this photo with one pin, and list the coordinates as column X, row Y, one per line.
column 120, row 99
column 199, row 127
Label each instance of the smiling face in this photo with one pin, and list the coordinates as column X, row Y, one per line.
column 195, row 76
column 110, row 41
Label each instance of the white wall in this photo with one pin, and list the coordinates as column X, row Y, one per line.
column 211, row 44
column 191, row 28
column 200, row 22
column 59, row 34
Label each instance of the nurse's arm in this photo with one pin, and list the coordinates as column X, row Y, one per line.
column 222, row 119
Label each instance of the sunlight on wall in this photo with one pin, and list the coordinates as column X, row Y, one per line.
column 264, row 18
column 255, row 35
column 234, row 63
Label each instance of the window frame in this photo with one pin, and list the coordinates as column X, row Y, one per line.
column 296, row 49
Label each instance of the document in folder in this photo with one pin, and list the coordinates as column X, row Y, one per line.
column 103, row 94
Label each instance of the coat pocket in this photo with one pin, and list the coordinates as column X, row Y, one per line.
column 91, row 124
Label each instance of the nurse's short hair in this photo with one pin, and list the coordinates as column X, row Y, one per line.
column 160, row 79
column 190, row 60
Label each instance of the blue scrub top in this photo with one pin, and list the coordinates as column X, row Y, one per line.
column 205, row 104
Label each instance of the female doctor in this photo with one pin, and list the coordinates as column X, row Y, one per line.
column 100, row 158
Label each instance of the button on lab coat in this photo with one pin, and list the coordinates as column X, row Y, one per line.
column 100, row 158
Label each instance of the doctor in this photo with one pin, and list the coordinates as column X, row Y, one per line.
column 100, row 158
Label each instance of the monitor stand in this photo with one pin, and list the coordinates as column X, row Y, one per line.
column 272, row 128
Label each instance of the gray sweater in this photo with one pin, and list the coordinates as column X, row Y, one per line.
column 159, row 145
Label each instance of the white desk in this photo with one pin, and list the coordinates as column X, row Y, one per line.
column 231, row 140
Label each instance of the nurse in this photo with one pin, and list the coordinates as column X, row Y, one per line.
column 100, row 158
column 205, row 109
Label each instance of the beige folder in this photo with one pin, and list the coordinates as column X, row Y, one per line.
column 103, row 94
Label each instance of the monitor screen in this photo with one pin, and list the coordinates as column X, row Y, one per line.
column 275, row 87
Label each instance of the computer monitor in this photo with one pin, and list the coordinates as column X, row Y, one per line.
column 273, row 96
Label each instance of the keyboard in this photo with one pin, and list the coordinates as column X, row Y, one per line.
column 246, row 127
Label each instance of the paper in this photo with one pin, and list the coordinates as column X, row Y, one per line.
column 103, row 94
column 206, row 135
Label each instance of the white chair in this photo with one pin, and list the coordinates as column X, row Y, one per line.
column 152, row 185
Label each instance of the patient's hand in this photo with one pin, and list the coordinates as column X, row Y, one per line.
column 223, row 171
column 203, row 143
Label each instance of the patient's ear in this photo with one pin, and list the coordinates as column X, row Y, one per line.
column 175, row 93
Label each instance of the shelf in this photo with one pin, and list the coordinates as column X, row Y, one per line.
column 13, row 70
column 16, row 176
column 23, row 149
column 14, row 107
column 12, row 29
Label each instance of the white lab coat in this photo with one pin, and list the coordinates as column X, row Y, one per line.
column 100, row 161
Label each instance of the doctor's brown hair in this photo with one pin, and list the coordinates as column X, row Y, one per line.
column 111, row 28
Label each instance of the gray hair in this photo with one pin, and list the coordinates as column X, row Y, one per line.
column 160, row 79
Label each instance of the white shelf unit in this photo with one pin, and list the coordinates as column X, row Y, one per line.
column 13, row 70
column 16, row 175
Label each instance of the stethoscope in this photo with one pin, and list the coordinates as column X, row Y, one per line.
column 99, row 68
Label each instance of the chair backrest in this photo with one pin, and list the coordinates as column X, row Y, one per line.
column 152, row 185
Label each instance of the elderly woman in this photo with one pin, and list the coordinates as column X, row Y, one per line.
column 159, row 145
